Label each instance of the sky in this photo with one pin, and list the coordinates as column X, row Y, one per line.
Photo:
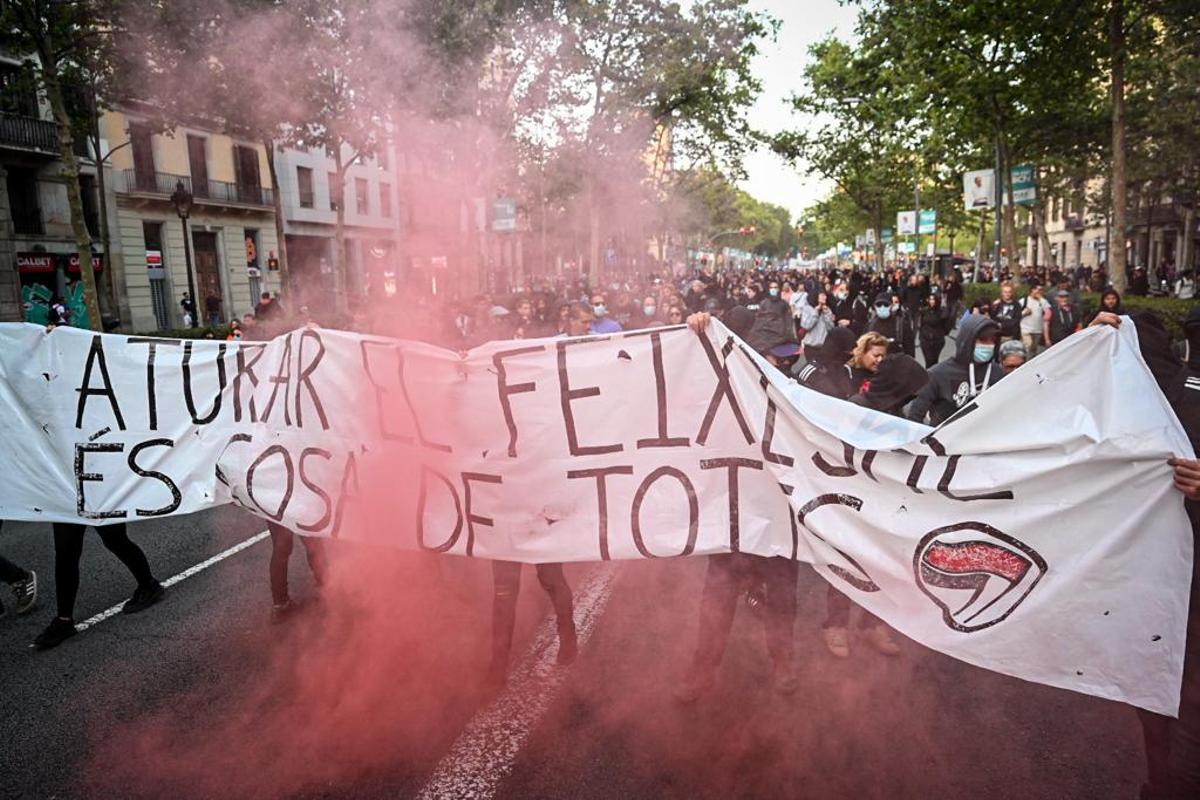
column 780, row 67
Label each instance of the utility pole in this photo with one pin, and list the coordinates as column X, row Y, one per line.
column 999, row 186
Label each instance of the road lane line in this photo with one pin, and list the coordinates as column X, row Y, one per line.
column 485, row 751
column 174, row 579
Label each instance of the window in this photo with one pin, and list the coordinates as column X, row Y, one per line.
column 17, row 93
column 198, row 164
column 360, row 196
column 381, row 158
column 385, row 200
column 23, row 201
column 141, row 141
column 304, row 183
column 245, row 167
column 335, row 191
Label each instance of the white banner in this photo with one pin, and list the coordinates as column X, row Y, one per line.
column 979, row 189
column 1037, row 533
column 906, row 223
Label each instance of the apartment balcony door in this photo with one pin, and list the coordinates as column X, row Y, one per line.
column 198, row 165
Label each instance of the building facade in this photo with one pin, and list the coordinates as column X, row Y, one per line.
column 230, row 228
column 307, row 182
column 37, row 242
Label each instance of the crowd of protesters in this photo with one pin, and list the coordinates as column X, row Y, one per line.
column 845, row 332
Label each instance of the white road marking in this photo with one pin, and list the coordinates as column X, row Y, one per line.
column 485, row 751
column 174, row 579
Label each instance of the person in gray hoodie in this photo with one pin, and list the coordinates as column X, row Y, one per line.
column 954, row 382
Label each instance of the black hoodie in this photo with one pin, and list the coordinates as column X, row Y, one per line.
column 950, row 385
column 898, row 380
column 826, row 372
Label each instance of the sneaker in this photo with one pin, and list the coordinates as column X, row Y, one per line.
column 26, row 592
column 143, row 598
column 698, row 682
column 496, row 677
column 282, row 612
column 837, row 641
column 880, row 637
column 568, row 645
column 785, row 679
column 57, row 632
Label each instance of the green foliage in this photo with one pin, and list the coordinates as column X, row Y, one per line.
column 1171, row 310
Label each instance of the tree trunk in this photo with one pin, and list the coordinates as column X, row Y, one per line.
column 1187, row 247
column 285, row 278
column 1117, row 262
column 1010, row 217
column 1046, row 254
column 106, row 296
column 979, row 246
column 70, row 171
column 339, row 233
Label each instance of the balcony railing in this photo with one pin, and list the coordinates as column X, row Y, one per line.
column 131, row 181
column 28, row 133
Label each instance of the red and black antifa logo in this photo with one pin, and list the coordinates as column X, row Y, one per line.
column 976, row 574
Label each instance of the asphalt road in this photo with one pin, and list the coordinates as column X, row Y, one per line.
column 365, row 694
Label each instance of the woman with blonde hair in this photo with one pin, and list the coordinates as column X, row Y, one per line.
column 864, row 362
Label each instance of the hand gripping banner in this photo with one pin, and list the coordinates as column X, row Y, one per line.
column 1036, row 534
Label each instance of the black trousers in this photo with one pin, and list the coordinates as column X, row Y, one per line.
column 931, row 349
column 730, row 574
column 837, row 612
column 68, row 548
column 282, row 543
column 506, row 584
column 1173, row 745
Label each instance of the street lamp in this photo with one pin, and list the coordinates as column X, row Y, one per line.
column 182, row 200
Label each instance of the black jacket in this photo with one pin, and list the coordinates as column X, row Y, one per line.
column 950, row 385
column 1008, row 317
column 899, row 379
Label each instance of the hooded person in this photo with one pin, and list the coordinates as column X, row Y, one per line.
column 899, row 379
column 1173, row 745
column 954, row 382
column 827, row 371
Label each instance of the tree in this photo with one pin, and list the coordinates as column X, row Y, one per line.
column 605, row 77
column 61, row 35
column 858, row 138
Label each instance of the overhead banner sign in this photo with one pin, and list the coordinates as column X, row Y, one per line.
column 979, row 187
column 1037, row 534
column 928, row 221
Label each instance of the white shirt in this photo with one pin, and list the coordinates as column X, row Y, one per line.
column 1032, row 322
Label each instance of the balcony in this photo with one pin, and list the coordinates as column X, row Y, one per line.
column 27, row 221
column 1074, row 222
column 28, row 133
column 162, row 184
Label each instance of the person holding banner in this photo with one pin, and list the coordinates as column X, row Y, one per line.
column 68, row 549
column 23, row 582
column 768, row 583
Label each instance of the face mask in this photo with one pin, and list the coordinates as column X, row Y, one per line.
column 984, row 352
column 599, row 309
column 841, row 295
column 649, row 310
column 883, row 312
column 773, row 292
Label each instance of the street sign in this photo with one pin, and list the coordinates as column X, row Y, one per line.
column 887, row 235
column 504, row 214
column 928, row 222
column 1024, row 185
column 906, row 223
